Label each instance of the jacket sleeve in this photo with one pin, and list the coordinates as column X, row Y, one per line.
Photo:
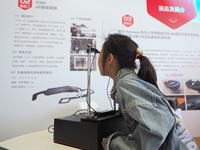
column 152, row 120
column 119, row 141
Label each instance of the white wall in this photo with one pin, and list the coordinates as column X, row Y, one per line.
column 18, row 28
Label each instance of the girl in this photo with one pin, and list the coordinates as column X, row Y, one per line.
column 150, row 120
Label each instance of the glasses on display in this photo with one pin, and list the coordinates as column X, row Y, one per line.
column 51, row 91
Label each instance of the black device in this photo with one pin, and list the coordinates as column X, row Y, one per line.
column 87, row 133
column 3, row 148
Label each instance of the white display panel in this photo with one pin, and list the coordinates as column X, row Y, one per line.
column 38, row 52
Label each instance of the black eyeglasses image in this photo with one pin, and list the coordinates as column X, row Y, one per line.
column 68, row 89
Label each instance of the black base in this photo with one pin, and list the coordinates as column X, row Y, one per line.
column 87, row 133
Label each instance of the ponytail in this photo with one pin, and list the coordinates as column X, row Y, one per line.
column 147, row 71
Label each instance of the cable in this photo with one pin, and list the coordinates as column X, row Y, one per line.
column 51, row 129
column 80, row 111
column 108, row 93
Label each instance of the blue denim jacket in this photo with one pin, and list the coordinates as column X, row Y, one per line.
column 147, row 115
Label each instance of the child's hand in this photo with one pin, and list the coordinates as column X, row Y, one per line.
column 103, row 142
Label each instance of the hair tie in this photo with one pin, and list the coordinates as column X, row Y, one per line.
column 139, row 52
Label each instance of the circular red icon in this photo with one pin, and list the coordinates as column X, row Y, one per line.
column 127, row 20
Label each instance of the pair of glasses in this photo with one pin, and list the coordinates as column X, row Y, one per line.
column 79, row 93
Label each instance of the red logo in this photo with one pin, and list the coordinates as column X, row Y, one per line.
column 173, row 13
column 25, row 4
column 127, row 20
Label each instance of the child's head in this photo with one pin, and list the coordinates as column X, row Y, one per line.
column 120, row 51
column 123, row 48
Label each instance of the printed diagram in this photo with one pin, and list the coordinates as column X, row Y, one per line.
column 193, row 102
column 81, row 36
column 193, row 85
column 82, row 31
column 186, row 91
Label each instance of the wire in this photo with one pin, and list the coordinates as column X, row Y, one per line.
column 80, row 110
column 51, row 129
column 108, row 94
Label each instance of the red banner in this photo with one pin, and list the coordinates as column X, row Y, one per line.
column 173, row 13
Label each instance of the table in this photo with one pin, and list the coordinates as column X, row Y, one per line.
column 41, row 140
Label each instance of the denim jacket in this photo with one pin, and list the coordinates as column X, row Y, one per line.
column 147, row 115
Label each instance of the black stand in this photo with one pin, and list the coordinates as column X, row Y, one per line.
column 87, row 133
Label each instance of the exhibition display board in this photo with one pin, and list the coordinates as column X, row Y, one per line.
column 44, row 64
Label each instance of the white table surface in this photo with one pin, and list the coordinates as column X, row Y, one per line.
column 41, row 140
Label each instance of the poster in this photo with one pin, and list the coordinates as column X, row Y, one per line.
column 43, row 48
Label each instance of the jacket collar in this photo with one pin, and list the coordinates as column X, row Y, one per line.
column 121, row 73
